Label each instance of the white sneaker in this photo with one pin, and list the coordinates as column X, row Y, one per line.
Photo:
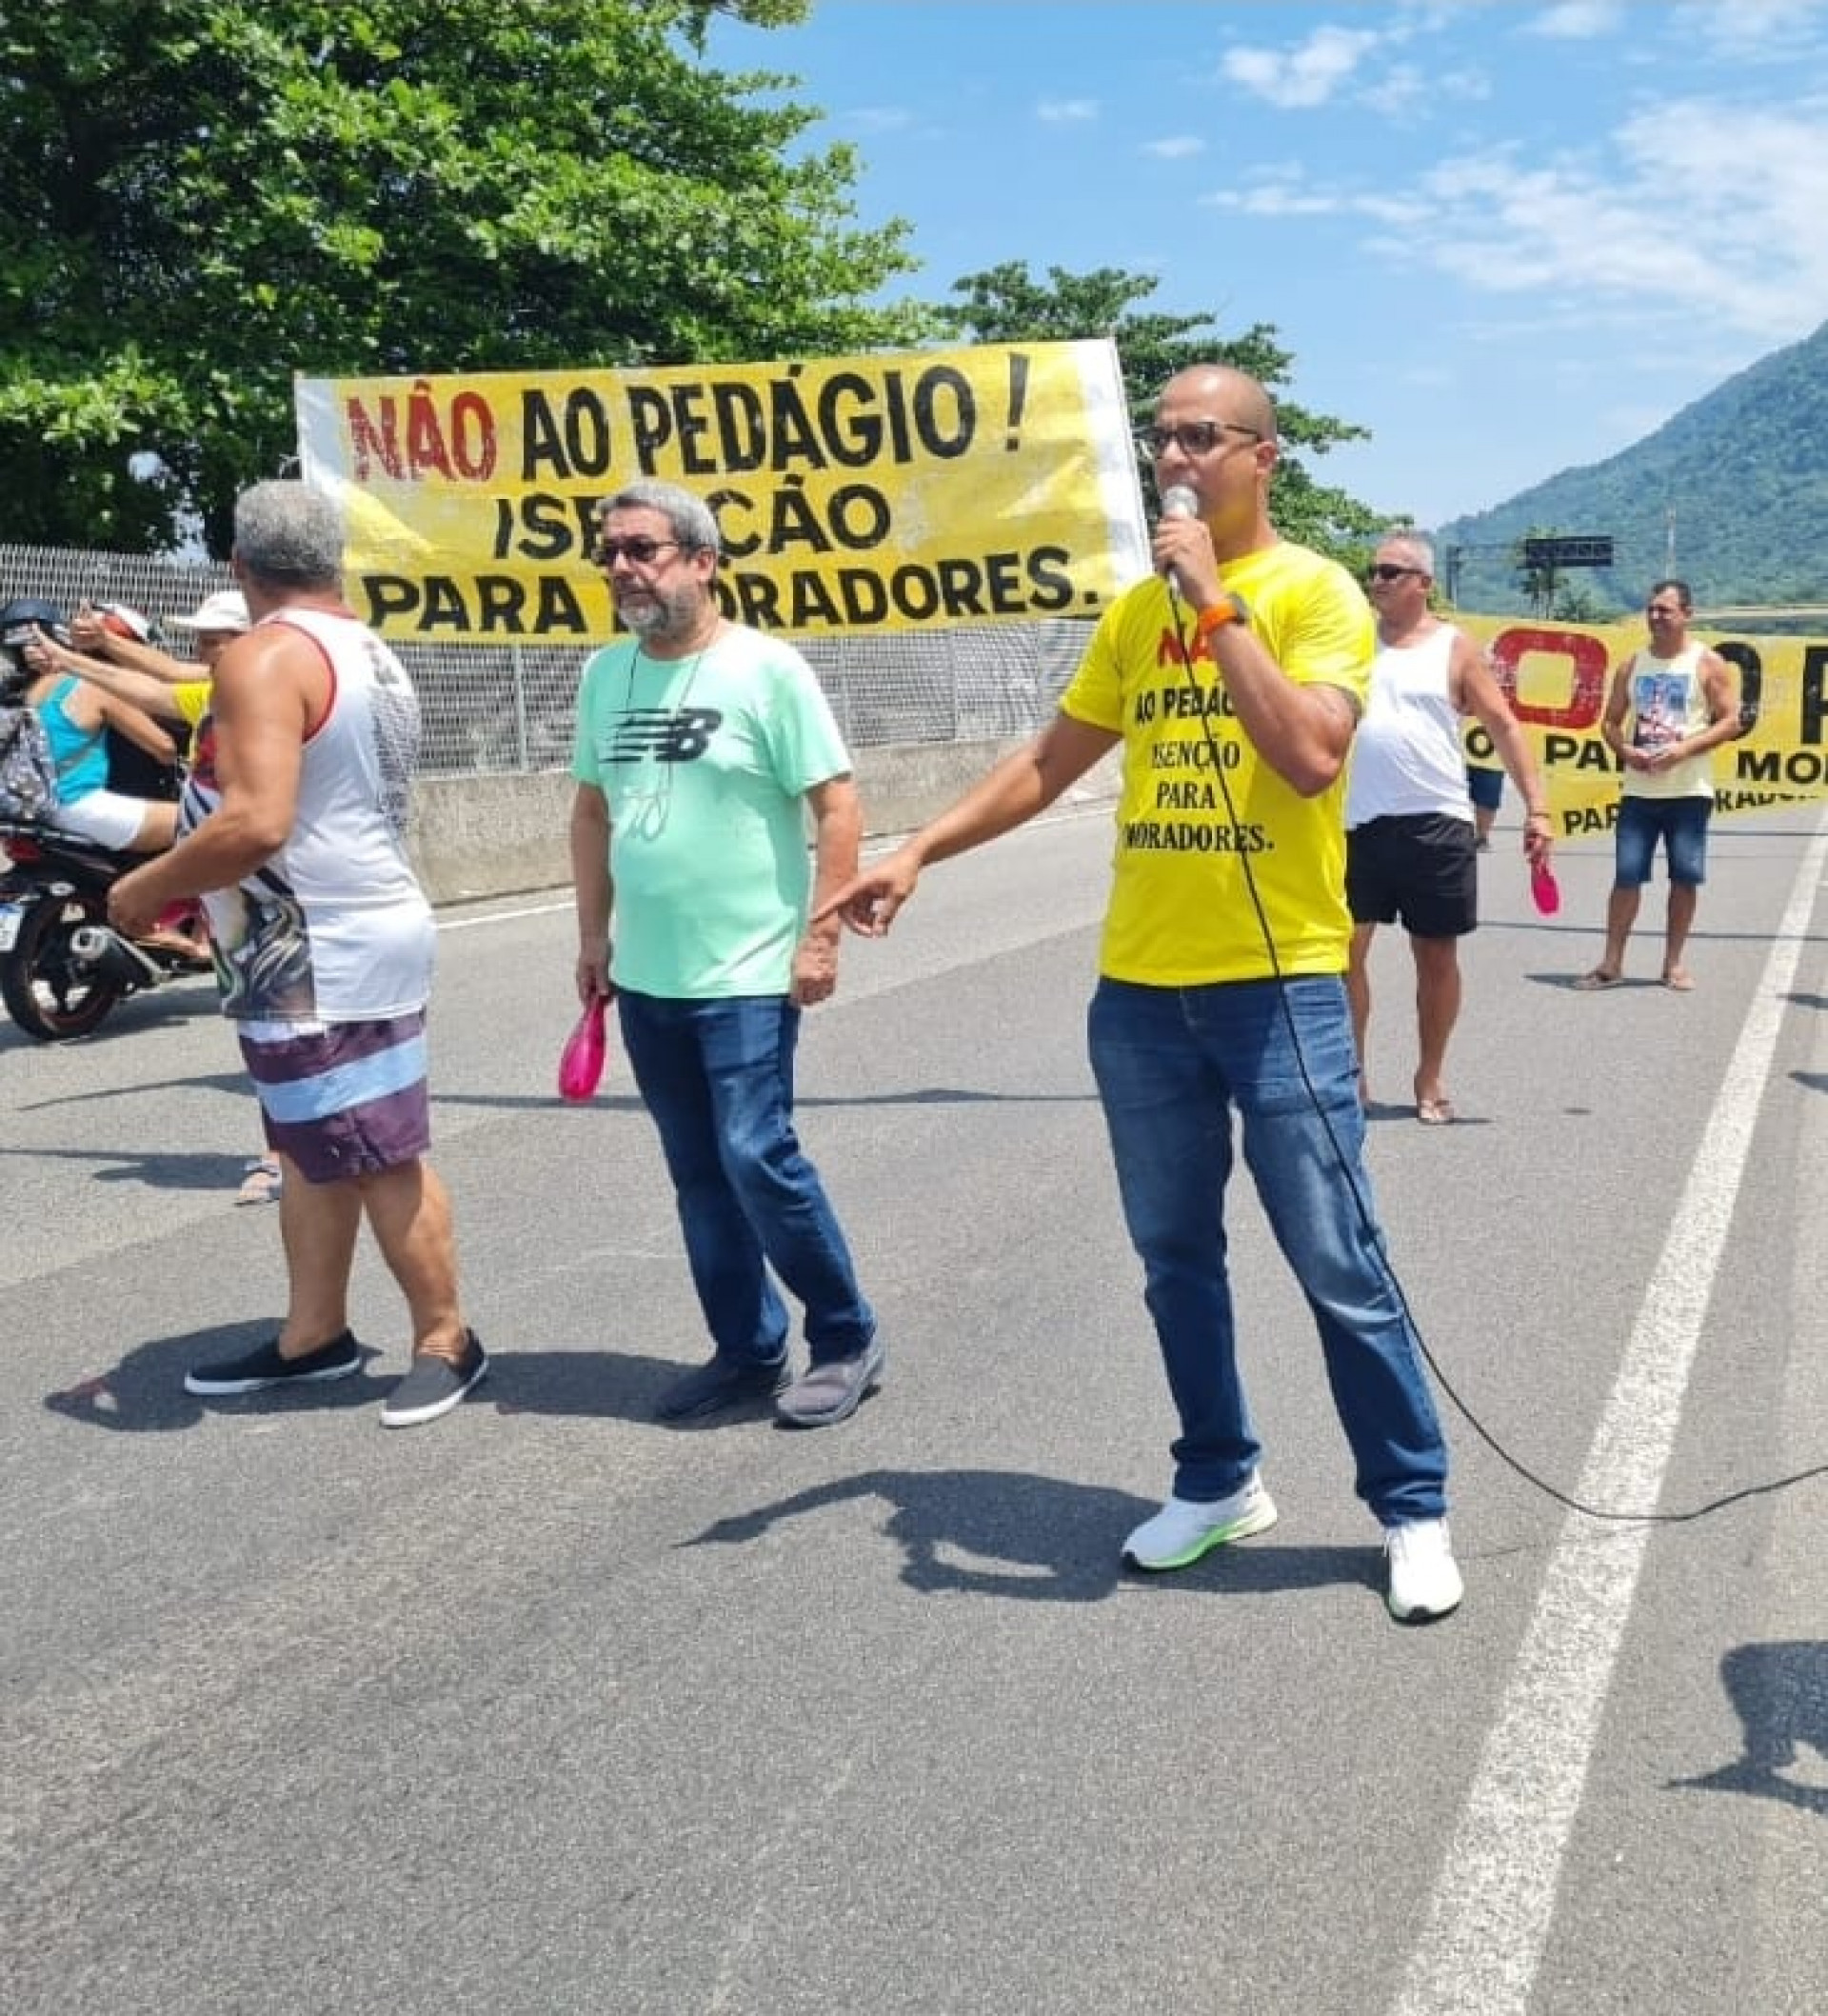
column 1424, row 1581
column 1182, row 1531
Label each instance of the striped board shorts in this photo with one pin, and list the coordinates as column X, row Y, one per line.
column 342, row 1099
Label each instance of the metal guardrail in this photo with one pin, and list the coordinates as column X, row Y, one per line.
column 1781, row 612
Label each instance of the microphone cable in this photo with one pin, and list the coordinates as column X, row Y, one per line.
column 1367, row 1224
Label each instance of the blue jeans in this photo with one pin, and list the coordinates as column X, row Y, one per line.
column 1170, row 1063
column 1680, row 823
column 718, row 1078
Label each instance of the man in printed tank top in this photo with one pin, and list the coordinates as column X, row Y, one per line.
column 293, row 829
column 1671, row 705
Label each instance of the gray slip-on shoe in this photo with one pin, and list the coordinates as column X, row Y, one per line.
column 833, row 1390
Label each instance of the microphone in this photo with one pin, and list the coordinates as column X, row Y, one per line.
column 1177, row 500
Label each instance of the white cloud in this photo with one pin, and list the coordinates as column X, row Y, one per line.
column 1283, row 193
column 1178, row 146
column 1705, row 211
column 1277, row 199
column 1066, row 110
column 1401, row 89
column 1309, row 74
column 1689, row 214
column 1577, row 20
column 1750, row 29
column 1358, row 66
column 880, row 118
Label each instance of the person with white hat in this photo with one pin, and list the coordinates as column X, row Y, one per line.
column 121, row 637
column 222, row 612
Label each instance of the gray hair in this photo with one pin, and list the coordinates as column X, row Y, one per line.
column 693, row 522
column 1420, row 550
column 289, row 534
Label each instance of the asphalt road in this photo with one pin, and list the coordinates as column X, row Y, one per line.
column 546, row 1708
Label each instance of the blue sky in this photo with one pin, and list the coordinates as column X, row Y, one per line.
column 1507, row 238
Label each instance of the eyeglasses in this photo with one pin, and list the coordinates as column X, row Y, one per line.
column 642, row 551
column 1192, row 437
column 1385, row 570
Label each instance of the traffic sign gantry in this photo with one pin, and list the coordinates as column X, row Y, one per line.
column 1585, row 551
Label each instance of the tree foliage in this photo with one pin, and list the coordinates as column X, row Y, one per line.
column 205, row 197
column 1006, row 303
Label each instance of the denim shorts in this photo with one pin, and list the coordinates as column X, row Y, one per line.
column 1485, row 787
column 1680, row 823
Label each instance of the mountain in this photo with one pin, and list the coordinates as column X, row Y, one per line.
column 1734, row 488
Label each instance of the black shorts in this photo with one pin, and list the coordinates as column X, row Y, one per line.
column 1421, row 869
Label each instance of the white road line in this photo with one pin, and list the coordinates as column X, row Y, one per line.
column 1490, row 1912
column 529, row 909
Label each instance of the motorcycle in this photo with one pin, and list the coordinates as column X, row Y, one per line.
column 63, row 967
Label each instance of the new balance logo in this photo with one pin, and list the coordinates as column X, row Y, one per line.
column 679, row 737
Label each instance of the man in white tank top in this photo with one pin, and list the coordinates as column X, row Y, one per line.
column 1410, row 834
column 1669, row 708
column 293, row 829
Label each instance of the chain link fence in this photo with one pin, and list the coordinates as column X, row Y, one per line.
column 509, row 708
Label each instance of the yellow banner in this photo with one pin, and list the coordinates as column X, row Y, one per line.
column 1556, row 675
column 881, row 492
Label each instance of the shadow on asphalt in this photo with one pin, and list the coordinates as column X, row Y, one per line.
column 156, row 1169
column 1781, row 1693
column 611, row 1385
column 1038, row 1539
column 231, row 1081
column 144, row 1393
column 804, row 1101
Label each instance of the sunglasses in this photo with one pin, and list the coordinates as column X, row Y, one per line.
column 1385, row 570
column 642, row 551
column 1192, row 437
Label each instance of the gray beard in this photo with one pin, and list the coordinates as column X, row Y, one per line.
column 662, row 620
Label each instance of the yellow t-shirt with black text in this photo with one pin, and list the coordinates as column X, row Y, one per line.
column 1182, row 912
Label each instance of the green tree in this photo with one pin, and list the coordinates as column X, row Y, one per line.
column 204, row 197
column 1005, row 303
column 1577, row 603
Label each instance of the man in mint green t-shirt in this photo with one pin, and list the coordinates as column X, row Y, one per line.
column 702, row 745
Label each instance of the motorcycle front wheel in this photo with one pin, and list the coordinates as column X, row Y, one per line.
column 47, row 992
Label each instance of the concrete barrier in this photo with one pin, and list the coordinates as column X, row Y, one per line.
column 498, row 835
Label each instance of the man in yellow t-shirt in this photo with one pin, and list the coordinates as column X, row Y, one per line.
column 1232, row 679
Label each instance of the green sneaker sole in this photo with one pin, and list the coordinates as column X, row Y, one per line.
column 1258, row 1522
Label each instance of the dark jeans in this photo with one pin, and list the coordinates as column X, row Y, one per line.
column 718, row 1078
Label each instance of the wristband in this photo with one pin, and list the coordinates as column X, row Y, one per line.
column 1230, row 608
